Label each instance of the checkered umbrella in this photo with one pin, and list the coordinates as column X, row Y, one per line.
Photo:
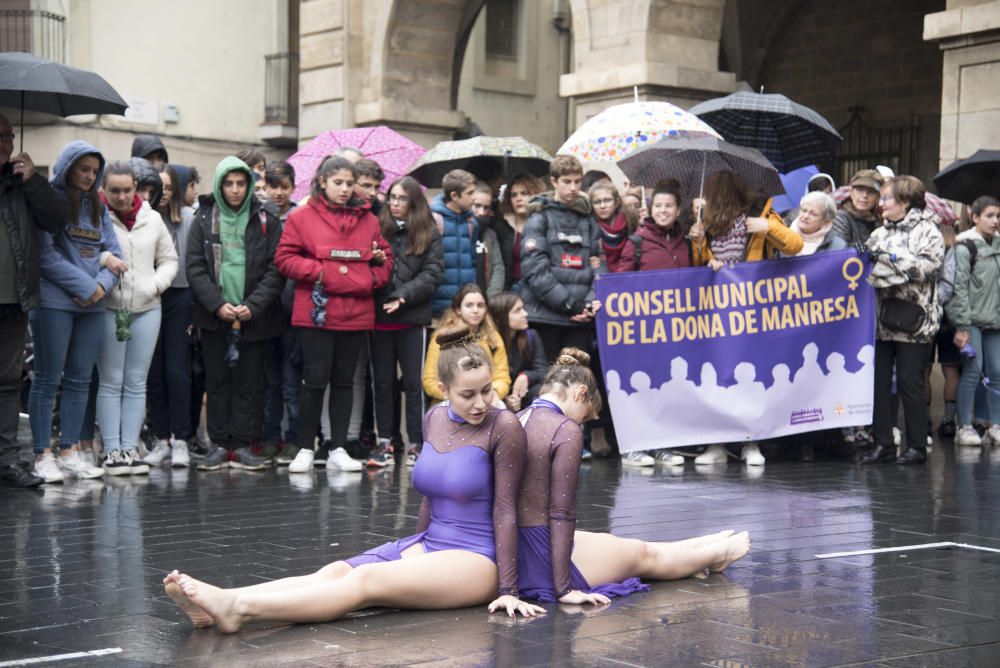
column 934, row 203
column 787, row 133
column 692, row 159
column 965, row 180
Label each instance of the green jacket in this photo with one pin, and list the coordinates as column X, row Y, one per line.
column 977, row 293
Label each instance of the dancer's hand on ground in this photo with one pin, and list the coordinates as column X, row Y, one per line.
column 514, row 605
column 577, row 597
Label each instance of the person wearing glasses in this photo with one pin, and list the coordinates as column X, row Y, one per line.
column 333, row 249
column 27, row 203
column 616, row 221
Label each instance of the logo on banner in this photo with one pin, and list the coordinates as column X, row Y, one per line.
column 807, row 415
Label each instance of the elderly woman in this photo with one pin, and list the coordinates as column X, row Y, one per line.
column 907, row 251
column 815, row 224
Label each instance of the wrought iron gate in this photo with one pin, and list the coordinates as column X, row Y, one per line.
column 865, row 146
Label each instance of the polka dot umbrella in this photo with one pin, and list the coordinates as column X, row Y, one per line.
column 619, row 131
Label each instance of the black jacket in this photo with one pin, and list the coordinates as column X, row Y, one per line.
column 263, row 283
column 534, row 366
column 414, row 279
column 23, row 206
column 143, row 145
column 556, row 248
column 505, row 237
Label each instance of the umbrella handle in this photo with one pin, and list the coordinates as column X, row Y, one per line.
column 22, row 121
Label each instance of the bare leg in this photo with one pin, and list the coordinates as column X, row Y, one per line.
column 427, row 581
column 603, row 558
column 701, row 540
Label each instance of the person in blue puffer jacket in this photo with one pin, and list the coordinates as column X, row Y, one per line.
column 452, row 210
column 69, row 324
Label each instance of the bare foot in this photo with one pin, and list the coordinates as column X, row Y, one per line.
column 219, row 604
column 735, row 548
column 198, row 617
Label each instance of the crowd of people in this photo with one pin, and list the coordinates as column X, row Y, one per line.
column 298, row 331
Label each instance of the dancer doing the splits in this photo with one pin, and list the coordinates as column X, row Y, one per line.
column 469, row 473
column 555, row 562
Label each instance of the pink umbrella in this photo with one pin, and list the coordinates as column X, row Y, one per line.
column 391, row 150
column 934, row 203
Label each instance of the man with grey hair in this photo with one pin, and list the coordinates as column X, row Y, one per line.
column 26, row 201
column 349, row 153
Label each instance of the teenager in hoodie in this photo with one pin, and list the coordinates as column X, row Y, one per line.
column 332, row 248
column 452, row 210
column 169, row 384
column 69, row 324
column 560, row 255
column 131, row 319
column 236, row 287
column 616, row 220
column 151, row 148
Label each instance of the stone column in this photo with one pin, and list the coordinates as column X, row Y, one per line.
column 668, row 48
column 968, row 33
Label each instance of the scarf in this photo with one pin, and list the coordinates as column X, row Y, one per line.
column 811, row 242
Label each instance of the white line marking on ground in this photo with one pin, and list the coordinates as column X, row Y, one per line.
column 905, row 548
column 61, row 657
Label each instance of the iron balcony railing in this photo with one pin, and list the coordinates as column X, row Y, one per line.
column 281, row 88
column 33, row 31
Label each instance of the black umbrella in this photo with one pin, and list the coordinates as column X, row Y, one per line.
column 789, row 134
column 965, row 180
column 691, row 159
column 33, row 83
column 486, row 157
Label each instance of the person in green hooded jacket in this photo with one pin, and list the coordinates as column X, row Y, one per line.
column 236, row 288
column 974, row 309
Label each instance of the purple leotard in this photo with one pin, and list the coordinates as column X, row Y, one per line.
column 469, row 476
column 546, row 509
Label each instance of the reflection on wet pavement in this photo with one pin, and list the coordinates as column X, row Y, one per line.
column 82, row 565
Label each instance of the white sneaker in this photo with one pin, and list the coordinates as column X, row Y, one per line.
column 74, row 465
column 179, row 457
column 136, row 466
column 993, row 434
column 897, row 436
column 716, row 454
column 339, row 459
column 161, row 451
column 88, row 455
column 668, row 457
column 47, row 468
column 968, row 435
column 638, row 458
column 303, row 462
column 751, row 455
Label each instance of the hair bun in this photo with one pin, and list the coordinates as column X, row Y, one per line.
column 572, row 356
column 454, row 336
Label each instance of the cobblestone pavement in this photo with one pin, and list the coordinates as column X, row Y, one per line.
column 81, row 566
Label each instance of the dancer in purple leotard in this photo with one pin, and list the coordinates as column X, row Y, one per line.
column 556, row 562
column 469, row 473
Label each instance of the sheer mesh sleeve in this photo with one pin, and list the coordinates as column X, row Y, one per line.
column 424, row 517
column 509, row 449
column 567, row 448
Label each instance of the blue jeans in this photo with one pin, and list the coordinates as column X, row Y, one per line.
column 66, row 344
column 123, row 367
column 987, row 360
column 284, row 382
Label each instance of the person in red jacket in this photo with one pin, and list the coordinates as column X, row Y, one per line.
column 659, row 242
column 334, row 251
column 616, row 221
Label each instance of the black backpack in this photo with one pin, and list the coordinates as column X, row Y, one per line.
column 946, row 282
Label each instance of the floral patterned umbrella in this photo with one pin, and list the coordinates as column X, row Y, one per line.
column 486, row 157
column 621, row 130
column 391, row 150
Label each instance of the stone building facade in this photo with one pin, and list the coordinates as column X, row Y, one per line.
column 912, row 83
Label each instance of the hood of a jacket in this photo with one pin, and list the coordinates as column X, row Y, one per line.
column 145, row 175
column 70, row 153
column 912, row 218
column 232, row 164
column 183, row 173
column 438, row 206
column 143, row 145
column 548, row 201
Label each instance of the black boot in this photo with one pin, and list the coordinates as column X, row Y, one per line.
column 913, row 456
column 881, row 454
column 19, row 475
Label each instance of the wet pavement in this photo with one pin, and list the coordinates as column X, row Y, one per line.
column 81, row 568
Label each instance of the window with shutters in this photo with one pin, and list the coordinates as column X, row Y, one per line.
column 501, row 29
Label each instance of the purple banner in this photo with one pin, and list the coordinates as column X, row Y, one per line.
column 758, row 350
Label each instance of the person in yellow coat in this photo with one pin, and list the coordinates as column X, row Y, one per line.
column 468, row 307
column 733, row 229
